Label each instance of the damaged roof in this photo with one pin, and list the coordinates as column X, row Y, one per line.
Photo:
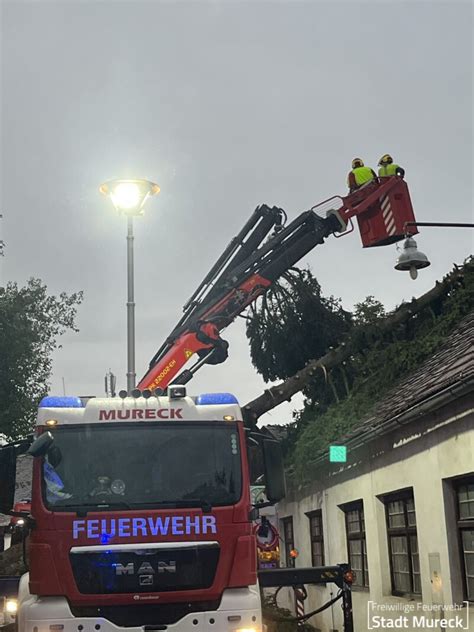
column 452, row 364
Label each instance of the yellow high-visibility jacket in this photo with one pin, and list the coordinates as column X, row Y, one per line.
column 360, row 175
column 388, row 170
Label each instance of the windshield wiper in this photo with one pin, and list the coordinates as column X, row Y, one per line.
column 83, row 509
column 116, row 503
column 203, row 504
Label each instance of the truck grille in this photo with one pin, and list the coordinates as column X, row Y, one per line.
column 153, row 568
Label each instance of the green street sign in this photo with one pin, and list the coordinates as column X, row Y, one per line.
column 337, row 453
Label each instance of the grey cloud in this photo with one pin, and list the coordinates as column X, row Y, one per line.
column 226, row 105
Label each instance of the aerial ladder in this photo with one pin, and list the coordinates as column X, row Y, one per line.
column 258, row 256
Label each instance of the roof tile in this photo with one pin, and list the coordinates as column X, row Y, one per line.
column 453, row 362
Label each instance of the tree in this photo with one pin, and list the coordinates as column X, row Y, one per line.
column 31, row 321
column 293, row 324
column 368, row 311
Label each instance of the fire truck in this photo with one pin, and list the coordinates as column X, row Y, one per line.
column 141, row 515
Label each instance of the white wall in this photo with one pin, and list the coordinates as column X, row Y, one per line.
column 436, row 448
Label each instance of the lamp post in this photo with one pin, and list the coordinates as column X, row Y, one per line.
column 129, row 197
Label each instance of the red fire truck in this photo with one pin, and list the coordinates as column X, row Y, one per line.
column 140, row 513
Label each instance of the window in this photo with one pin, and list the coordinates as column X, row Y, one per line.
column 150, row 464
column 465, row 504
column 403, row 543
column 289, row 541
column 316, row 537
column 356, row 545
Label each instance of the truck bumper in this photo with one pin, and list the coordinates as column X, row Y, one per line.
column 239, row 610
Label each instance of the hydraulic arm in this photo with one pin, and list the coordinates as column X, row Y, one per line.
column 264, row 249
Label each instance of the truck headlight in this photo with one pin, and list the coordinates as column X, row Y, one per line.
column 11, row 606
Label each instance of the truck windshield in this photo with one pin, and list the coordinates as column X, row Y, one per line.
column 138, row 465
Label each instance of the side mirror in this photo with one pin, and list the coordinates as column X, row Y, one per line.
column 7, row 478
column 274, row 470
column 41, row 445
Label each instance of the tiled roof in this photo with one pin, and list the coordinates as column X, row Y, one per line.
column 451, row 364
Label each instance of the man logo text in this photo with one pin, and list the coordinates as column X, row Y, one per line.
column 145, row 568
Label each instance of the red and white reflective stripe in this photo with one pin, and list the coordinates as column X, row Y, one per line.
column 388, row 218
column 299, row 606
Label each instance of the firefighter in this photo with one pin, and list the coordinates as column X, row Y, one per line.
column 388, row 168
column 360, row 175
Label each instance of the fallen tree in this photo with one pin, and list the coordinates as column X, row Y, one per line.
column 285, row 390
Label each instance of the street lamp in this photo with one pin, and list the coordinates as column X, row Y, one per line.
column 129, row 197
column 411, row 258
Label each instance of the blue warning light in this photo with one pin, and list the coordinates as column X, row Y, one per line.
column 210, row 399
column 51, row 401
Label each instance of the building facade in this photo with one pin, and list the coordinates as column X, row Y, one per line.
column 401, row 509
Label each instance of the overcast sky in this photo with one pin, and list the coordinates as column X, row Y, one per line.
column 226, row 105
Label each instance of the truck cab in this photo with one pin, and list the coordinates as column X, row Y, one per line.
column 141, row 516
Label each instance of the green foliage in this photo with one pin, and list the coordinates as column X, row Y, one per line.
column 369, row 311
column 319, row 430
column 379, row 360
column 30, row 323
column 293, row 324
